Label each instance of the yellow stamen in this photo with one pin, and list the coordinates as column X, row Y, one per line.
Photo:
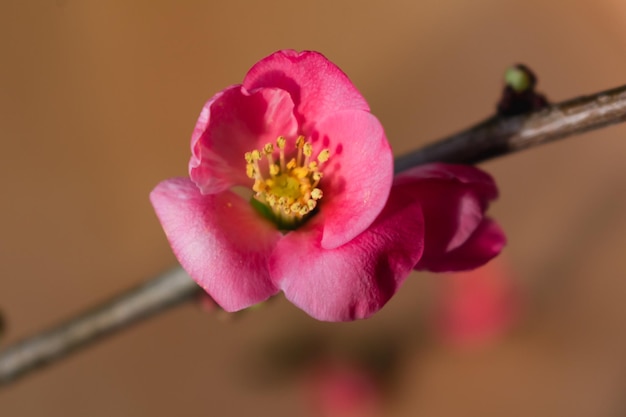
column 289, row 189
column 281, row 146
column 317, row 194
column 308, row 151
column 299, row 145
column 274, row 170
column 323, row 156
column 250, row 170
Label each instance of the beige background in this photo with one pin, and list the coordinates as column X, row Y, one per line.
column 97, row 102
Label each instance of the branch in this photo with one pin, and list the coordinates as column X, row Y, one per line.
column 494, row 137
column 499, row 136
column 155, row 295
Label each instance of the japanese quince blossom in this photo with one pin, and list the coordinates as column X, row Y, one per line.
column 321, row 220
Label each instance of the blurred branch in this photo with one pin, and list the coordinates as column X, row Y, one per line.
column 494, row 137
column 155, row 295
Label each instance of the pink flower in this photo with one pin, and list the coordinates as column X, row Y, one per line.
column 320, row 223
column 454, row 199
column 320, row 220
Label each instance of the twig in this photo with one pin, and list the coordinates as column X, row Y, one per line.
column 494, row 137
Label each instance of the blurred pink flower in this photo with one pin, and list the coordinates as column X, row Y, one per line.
column 335, row 389
column 322, row 222
column 477, row 307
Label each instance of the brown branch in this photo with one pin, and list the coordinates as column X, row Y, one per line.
column 494, row 137
column 155, row 295
column 499, row 136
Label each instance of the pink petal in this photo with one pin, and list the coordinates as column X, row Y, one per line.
column 357, row 177
column 232, row 123
column 355, row 280
column 484, row 244
column 317, row 86
column 452, row 212
column 219, row 240
column 479, row 181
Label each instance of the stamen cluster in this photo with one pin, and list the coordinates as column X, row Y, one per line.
column 289, row 187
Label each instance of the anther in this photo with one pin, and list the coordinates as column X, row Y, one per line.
column 316, row 194
column 323, row 156
column 300, row 172
column 308, row 149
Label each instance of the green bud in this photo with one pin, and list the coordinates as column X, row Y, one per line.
column 518, row 79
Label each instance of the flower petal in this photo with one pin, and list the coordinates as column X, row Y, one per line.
column 219, row 240
column 317, row 86
column 357, row 177
column 484, row 244
column 452, row 212
column 479, row 181
column 232, row 123
column 355, row 280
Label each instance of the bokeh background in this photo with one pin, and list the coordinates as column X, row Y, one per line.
column 97, row 103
